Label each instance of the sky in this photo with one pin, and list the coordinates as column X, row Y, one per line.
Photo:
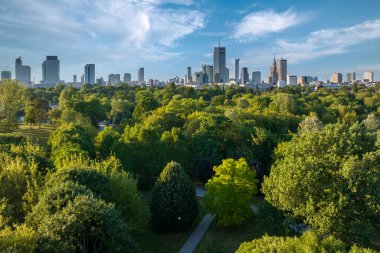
column 165, row 36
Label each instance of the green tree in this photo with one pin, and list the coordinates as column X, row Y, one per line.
column 104, row 142
column 329, row 179
column 174, row 205
column 230, row 191
column 11, row 101
column 308, row 242
column 36, row 111
column 18, row 240
column 310, row 123
column 86, row 224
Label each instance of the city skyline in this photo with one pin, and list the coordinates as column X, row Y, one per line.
column 160, row 37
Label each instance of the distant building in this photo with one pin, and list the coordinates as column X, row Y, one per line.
column 301, row 80
column 197, row 77
column 101, row 81
column 256, row 77
column 237, row 70
column 89, row 74
column 50, row 71
column 282, row 69
column 273, row 73
column 74, row 78
column 23, row 73
column 336, row 78
column 368, row 76
column 210, row 73
column 127, row 78
column 189, row 77
column 244, row 75
column 140, row 75
column 113, row 79
column 291, row 80
column 353, row 76
column 220, row 70
column 6, row 75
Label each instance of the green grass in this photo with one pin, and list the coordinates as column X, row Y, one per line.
column 148, row 241
column 219, row 239
column 40, row 136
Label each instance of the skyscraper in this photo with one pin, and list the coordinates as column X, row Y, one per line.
column 210, row 73
column 368, row 76
column 50, row 70
column 237, row 70
column 282, row 69
column 336, row 78
column 273, row 74
column 74, row 78
column 22, row 72
column 6, row 75
column 244, row 76
column 256, row 77
column 349, row 77
column 89, row 74
column 113, row 79
column 189, row 77
column 140, row 75
column 220, row 74
column 127, row 78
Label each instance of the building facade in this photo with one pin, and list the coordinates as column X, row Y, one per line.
column 336, row 78
column 220, row 75
column 6, row 75
column 291, row 80
column 23, row 73
column 141, row 75
column 113, row 79
column 89, row 74
column 244, row 75
column 127, row 78
column 368, row 76
column 273, row 73
column 50, row 71
column 237, row 70
column 256, row 77
column 282, row 69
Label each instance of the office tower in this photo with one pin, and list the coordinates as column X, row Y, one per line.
column 74, row 78
column 101, row 81
column 237, row 70
column 301, row 80
column 282, row 69
column 227, row 74
column 291, row 80
column 189, row 77
column 113, row 79
column 140, row 75
column 273, row 74
column 205, row 77
column 6, row 75
column 353, row 76
column 368, row 76
column 220, row 74
column 127, row 78
column 50, row 70
column 89, row 74
column 336, row 78
column 210, row 73
column 256, row 77
column 22, row 72
column 349, row 77
column 82, row 79
column 197, row 77
column 244, row 76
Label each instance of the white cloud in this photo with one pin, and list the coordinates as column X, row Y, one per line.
column 261, row 23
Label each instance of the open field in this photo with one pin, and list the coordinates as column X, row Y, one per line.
column 40, row 136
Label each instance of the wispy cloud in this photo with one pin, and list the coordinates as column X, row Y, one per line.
column 318, row 44
column 263, row 22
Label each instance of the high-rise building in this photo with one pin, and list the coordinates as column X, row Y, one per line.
column 127, row 78
column 210, row 73
column 198, row 77
column 50, row 70
column 349, row 77
column 189, row 77
column 256, row 77
column 237, row 70
column 368, row 76
column 353, row 76
column 301, row 80
column 220, row 75
column 282, row 69
column 140, row 75
column 336, row 78
column 6, row 75
column 291, row 80
column 74, row 78
column 273, row 74
column 113, row 79
column 244, row 75
column 89, row 74
column 22, row 72
column 101, row 81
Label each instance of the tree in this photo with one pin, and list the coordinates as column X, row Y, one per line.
column 310, row 123
column 105, row 141
column 86, row 224
column 308, row 242
column 11, row 100
column 230, row 191
column 18, row 240
column 329, row 179
column 36, row 111
column 174, row 205
column 372, row 123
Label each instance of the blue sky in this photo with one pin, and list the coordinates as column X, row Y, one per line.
column 165, row 36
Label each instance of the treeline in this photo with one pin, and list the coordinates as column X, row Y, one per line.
column 315, row 155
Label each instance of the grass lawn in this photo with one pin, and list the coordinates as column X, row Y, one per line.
column 219, row 239
column 40, row 136
column 149, row 241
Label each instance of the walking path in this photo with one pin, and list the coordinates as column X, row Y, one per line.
column 197, row 235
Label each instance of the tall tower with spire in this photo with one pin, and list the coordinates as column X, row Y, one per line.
column 273, row 72
column 220, row 70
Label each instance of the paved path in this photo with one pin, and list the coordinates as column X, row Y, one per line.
column 197, row 235
column 200, row 192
